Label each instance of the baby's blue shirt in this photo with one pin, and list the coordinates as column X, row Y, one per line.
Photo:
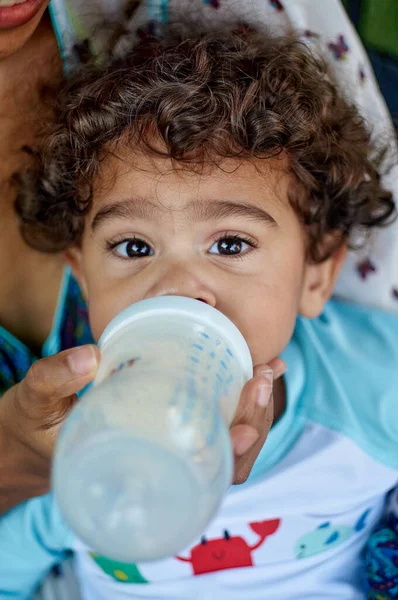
column 348, row 355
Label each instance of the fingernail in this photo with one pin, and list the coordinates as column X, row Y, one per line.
column 83, row 361
column 280, row 369
column 264, row 391
column 245, row 441
column 268, row 374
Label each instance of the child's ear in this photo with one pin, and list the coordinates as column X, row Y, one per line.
column 73, row 257
column 319, row 282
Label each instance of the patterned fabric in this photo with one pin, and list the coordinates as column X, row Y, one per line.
column 72, row 330
column 15, row 360
column 381, row 581
column 75, row 330
column 381, row 558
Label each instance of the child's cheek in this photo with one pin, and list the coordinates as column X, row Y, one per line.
column 267, row 322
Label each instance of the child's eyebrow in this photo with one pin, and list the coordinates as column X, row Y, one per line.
column 132, row 208
column 207, row 210
column 197, row 210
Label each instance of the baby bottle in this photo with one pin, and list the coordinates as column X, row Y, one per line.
column 144, row 458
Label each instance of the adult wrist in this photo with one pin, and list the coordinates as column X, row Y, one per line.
column 23, row 473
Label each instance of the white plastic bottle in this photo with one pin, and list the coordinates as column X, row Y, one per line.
column 144, row 459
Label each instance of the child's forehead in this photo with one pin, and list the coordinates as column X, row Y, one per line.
column 165, row 184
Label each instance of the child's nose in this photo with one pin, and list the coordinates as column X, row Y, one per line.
column 181, row 281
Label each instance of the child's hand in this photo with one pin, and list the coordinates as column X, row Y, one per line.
column 31, row 414
column 254, row 417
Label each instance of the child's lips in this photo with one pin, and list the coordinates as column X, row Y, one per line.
column 19, row 13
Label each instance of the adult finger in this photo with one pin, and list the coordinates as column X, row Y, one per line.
column 252, row 422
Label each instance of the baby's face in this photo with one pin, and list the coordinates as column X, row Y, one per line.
column 228, row 237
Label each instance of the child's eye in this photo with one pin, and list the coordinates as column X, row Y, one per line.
column 134, row 248
column 232, row 245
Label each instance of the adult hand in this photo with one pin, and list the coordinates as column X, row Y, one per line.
column 31, row 414
column 254, row 417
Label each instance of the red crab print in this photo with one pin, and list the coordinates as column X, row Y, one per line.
column 228, row 552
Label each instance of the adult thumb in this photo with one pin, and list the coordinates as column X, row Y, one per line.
column 55, row 377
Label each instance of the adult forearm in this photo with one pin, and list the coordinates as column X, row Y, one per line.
column 23, row 473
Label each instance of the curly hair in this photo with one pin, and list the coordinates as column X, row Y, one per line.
column 199, row 98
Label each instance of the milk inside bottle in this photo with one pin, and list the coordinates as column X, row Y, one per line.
column 144, row 458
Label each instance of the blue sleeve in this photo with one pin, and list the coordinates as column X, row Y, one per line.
column 33, row 538
column 351, row 363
